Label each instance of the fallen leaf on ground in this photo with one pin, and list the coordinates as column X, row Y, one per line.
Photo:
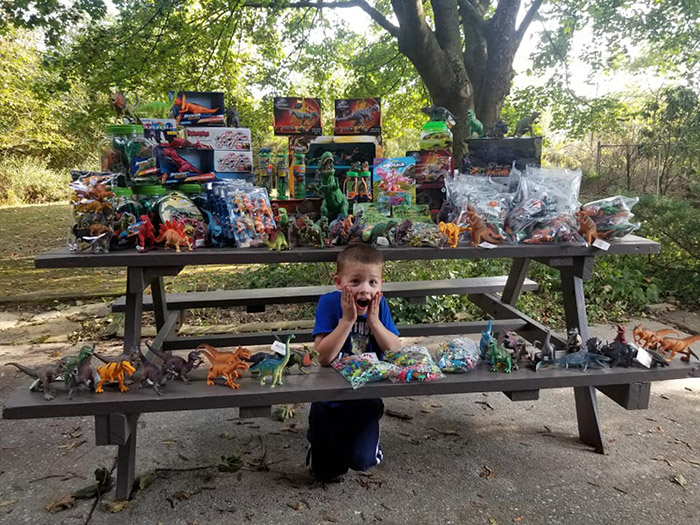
column 182, row 495
column 445, row 432
column 168, row 442
column 114, row 507
column 487, row 473
column 229, row 464
column 398, row 415
column 8, row 502
column 518, row 519
column 295, row 506
column 692, row 462
column 492, row 521
column 679, row 479
column 63, row 502
column 73, row 444
column 145, row 480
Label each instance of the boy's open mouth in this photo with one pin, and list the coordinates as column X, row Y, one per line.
column 362, row 303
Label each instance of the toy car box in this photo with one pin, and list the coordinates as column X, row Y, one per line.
column 199, row 108
column 233, row 161
column 221, row 139
column 358, row 116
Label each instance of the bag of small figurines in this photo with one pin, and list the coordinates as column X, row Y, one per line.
column 413, row 363
column 612, row 216
column 93, row 210
column 459, row 356
column 364, row 368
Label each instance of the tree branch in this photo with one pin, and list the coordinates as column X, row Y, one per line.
column 362, row 4
column 531, row 12
column 474, row 15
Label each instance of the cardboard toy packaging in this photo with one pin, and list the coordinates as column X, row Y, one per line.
column 221, row 139
column 199, row 108
column 358, row 116
column 432, row 165
column 297, row 116
column 159, row 130
column 233, row 161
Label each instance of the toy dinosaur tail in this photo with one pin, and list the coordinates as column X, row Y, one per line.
column 691, row 339
column 27, row 370
column 156, row 352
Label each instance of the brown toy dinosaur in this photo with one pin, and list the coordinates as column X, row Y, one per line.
column 173, row 233
column 225, row 364
column 587, row 227
column 176, row 366
column 43, row 376
column 112, row 372
column 450, row 233
column 679, row 346
column 649, row 338
column 479, row 231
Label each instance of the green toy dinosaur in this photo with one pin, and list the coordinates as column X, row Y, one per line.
column 273, row 367
column 476, row 128
column 498, row 357
column 334, row 201
column 524, row 125
column 279, row 243
column 378, row 230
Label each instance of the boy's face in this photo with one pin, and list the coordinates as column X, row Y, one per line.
column 364, row 282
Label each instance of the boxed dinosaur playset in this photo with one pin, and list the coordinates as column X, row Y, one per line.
column 199, row 108
column 221, row 139
column 297, row 116
column 358, row 116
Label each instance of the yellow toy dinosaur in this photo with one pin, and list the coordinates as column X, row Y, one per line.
column 114, row 372
column 173, row 233
column 450, row 233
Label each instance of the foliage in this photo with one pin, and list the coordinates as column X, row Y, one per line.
column 27, row 180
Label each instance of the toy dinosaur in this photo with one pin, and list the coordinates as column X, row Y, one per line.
column 155, row 109
column 43, row 376
column 574, row 343
column 621, row 354
column 649, row 338
column 188, row 107
column 279, row 243
column 173, row 233
column 78, row 371
column 379, row 230
column 181, row 164
column 147, row 372
column 439, row 114
column 334, row 201
column 361, row 117
column 450, row 232
column 232, row 118
column 303, row 116
column 577, row 360
column 402, row 232
column 118, row 102
column 546, row 349
column 525, row 124
column 499, row 130
column 479, row 231
column 225, row 364
column 175, row 366
column 115, row 371
column 274, row 367
column 476, row 128
column 486, row 336
column 302, row 360
column 146, row 235
column 673, row 346
column 498, row 357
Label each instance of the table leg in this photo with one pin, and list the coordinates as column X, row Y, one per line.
column 126, row 461
column 160, row 307
column 134, row 309
column 516, row 278
column 572, row 278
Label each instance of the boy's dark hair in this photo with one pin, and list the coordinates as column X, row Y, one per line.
column 359, row 253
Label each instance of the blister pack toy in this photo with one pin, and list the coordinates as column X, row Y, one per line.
column 364, row 368
column 459, row 356
column 415, row 364
column 612, row 216
column 248, row 211
column 93, row 210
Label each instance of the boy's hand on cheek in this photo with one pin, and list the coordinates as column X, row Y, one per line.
column 373, row 312
column 348, row 303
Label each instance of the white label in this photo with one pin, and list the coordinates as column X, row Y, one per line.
column 600, row 243
column 643, row 358
column 370, row 357
column 279, row 347
column 485, row 244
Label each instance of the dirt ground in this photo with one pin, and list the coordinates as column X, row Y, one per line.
column 477, row 458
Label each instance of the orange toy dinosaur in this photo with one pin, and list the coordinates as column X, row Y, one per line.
column 450, row 233
column 225, row 364
column 479, row 231
column 114, row 372
column 587, row 227
column 649, row 338
column 679, row 346
column 173, row 233
column 188, row 107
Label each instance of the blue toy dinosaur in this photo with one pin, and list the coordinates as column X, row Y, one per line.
column 273, row 367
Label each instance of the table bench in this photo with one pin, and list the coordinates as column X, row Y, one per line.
column 116, row 415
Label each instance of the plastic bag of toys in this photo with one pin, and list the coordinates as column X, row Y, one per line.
column 249, row 214
column 414, row 364
column 489, row 200
column 364, row 368
column 612, row 216
column 93, row 210
column 424, row 234
column 459, row 356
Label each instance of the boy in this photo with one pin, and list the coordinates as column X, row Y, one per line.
column 353, row 320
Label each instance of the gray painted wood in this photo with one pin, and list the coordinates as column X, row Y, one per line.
column 307, row 294
column 64, row 258
column 589, row 430
column 633, row 396
column 320, row 384
column 126, row 460
column 134, row 309
column 516, row 280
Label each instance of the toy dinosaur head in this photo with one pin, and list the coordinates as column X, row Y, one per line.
column 117, row 101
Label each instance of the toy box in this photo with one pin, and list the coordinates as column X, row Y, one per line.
column 203, row 108
column 221, row 139
column 159, row 130
column 394, row 182
column 358, row 116
column 297, row 116
column 432, row 165
column 185, row 160
column 493, row 156
column 233, row 161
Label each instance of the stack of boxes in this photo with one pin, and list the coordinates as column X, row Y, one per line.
column 233, row 157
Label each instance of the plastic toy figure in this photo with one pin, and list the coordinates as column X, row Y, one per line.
column 498, row 357
column 439, row 114
column 479, row 232
column 450, row 232
column 650, row 338
column 278, row 242
column 524, row 125
column 146, row 234
column 175, row 366
column 577, row 360
column 499, row 130
column 43, row 376
column 148, row 373
column 334, row 202
column 574, row 343
column 273, row 367
column 181, row 164
column 673, row 346
column 173, row 233
column 114, row 371
column 225, row 364
column 486, row 336
column 476, row 128
column 232, row 118
column 187, row 107
column 379, row 230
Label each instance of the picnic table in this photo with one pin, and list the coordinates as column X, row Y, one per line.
column 116, row 414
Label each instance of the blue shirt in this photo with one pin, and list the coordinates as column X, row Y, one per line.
column 329, row 312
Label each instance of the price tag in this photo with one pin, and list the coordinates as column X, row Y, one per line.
column 485, row 244
column 601, row 244
column 643, row 358
column 279, row 347
column 370, row 357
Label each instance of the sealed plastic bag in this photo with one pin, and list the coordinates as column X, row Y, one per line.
column 459, row 356
column 364, row 368
column 414, row 364
column 612, row 216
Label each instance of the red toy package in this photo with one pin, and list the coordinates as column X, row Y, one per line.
column 358, row 116
column 297, row 116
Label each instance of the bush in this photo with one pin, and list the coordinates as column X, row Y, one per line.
column 27, row 180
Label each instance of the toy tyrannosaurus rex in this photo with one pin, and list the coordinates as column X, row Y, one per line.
column 650, row 338
column 479, row 231
column 476, row 128
column 225, row 364
column 525, row 124
column 274, row 367
column 379, row 230
column 334, row 201
column 43, row 376
column 175, row 366
column 674, row 346
column 499, row 358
